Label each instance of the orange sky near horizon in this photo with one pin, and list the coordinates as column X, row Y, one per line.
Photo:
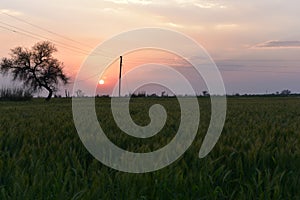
column 134, row 59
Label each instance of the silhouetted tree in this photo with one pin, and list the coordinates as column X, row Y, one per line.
column 79, row 93
column 205, row 93
column 35, row 67
column 285, row 92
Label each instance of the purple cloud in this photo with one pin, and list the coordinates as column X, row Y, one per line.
column 279, row 44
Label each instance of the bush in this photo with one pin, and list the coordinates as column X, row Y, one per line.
column 15, row 94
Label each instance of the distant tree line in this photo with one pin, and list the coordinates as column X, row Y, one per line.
column 38, row 70
column 15, row 94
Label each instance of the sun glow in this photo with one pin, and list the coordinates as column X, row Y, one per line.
column 101, row 82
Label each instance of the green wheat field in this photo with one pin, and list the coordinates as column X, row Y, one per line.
column 256, row 157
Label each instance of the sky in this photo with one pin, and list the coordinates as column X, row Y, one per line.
column 255, row 44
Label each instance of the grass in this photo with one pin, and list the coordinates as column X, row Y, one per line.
column 256, row 157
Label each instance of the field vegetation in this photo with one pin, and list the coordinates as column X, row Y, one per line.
column 256, row 157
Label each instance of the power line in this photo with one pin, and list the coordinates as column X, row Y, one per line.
column 51, row 32
column 36, row 36
column 64, row 45
column 60, row 44
column 15, row 31
column 44, row 29
column 8, row 29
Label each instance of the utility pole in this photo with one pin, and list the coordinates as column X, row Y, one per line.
column 120, row 75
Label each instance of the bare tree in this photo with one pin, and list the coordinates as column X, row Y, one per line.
column 35, row 67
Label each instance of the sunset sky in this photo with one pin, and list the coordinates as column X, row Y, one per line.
column 255, row 44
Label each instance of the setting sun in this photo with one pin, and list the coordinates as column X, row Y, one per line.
column 101, row 82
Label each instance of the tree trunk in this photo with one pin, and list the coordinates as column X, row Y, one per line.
column 49, row 95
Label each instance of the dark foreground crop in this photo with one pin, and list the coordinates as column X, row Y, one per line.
column 257, row 156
